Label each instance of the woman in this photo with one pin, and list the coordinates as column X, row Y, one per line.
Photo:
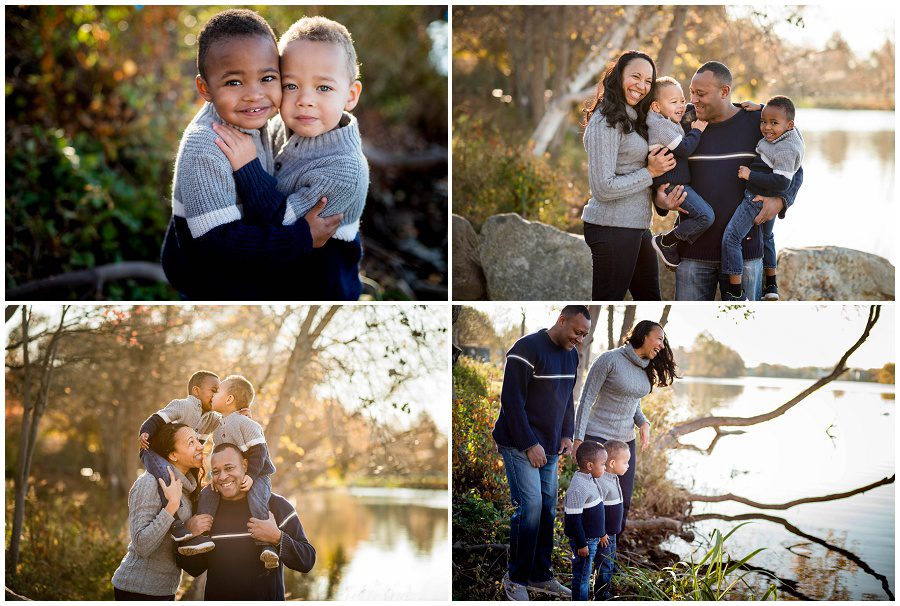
column 148, row 571
column 620, row 173
column 610, row 404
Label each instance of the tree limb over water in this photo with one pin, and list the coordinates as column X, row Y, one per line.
column 670, row 438
column 789, row 504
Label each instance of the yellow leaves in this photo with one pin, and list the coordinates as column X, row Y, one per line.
column 129, row 68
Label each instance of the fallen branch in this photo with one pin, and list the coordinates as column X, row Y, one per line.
column 687, row 427
column 95, row 277
column 483, row 547
column 789, row 504
column 422, row 160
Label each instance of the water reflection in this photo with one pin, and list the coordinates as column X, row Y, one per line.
column 374, row 545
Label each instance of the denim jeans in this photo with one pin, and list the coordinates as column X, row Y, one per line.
column 697, row 280
column 157, row 467
column 605, row 562
column 623, row 260
column 257, row 498
column 582, row 568
column 700, row 216
column 738, row 227
column 533, row 493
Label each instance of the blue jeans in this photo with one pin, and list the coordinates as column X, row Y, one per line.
column 257, row 498
column 582, row 568
column 738, row 227
column 697, row 280
column 157, row 467
column 533, row 493
column 605, row 562
column 700, row 216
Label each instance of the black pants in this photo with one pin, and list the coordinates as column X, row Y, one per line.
column 127, row 596
column 623, row 261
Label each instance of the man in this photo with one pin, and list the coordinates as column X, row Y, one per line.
column 728, row 142
column 234, row 569
column 536, row 425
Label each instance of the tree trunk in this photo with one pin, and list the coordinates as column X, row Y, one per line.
column 666, row 57
column 21, row 481
column 627, row 323
column 584, row 353
column 664, row 318
column 610, row 312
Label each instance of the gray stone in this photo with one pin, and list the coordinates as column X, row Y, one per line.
column 834, row 273
column 526, row 261
column 468, row 278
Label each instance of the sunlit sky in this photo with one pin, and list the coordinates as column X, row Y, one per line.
column 865, row 27
column 779, row 333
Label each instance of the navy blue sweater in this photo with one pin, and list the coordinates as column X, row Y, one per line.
column 724, row 147
column 536, row 403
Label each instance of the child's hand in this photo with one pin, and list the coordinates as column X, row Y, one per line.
column 604, row 541
column 144, row 441
column 238, row 147
column 245, row 412
column 246, row 483
column 743, row 172
column 584, row 551
column 750, row 106
column 699, row 125
column 321, row 228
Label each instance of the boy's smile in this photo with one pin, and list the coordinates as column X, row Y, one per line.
column 774, row 123
column 670, row 103
column 316, row 87
column 242, row 81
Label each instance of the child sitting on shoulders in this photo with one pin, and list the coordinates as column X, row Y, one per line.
column 584, row 523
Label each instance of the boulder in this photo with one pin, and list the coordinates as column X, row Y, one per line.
column 468, row 278
column 526, row 261
column 834, row 273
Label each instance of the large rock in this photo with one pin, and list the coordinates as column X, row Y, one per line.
column 833, row 273
column 525, row 261
column 468, row 278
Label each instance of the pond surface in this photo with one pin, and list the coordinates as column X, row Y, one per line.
column 848, row 183
column 374, row 544
column 839, row 438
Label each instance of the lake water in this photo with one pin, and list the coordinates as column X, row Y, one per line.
column 374, row 544
column 848, row 183
column 839, row 438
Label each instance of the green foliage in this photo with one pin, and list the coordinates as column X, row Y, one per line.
column 491, row 176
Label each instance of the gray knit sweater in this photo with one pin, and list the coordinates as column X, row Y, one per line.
column 784, row 155
column 618, row 176
column 610, row 405
column 203, row 190
column 662, row 132
column 331, row 165
column 149, row 565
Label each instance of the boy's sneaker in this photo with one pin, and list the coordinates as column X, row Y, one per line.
column 196, row 545
column 668, row 254
column 179, row 532
column 552, row 586
column 269, row 558
column 514, row 591
column 727, row 296
column 770, row 292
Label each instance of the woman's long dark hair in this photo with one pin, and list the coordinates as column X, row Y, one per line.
column 163, row 443
column 610, row 97
column 661, row 370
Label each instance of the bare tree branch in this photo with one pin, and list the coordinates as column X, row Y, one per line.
column 789, row 504
column 95, row 277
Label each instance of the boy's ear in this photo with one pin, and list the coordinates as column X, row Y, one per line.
column 353, row 97
column 202, row 88
column 244, row 464
column 790, row 125
column 654, row 105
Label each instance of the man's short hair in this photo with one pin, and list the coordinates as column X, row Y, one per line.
column 615, row 448
column 232, row 23
column 719, row 70
column 784, row 103
column 198, row 378
column 587, row 452
column 570, row 311
column 664, row 82
column 240, row 388
column 226, row 446
column 320, row 29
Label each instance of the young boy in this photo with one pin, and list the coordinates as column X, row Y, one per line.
column 209, row 242
column 584, row 523
column 317, row 143
column 771, row 174
column 664, row 130
column 618, row 456
column 236, row 392
column 194, row 411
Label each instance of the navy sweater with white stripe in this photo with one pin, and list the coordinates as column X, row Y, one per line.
column 613, row 504
column 536, row 403
column 584, row 509
column 724, row 147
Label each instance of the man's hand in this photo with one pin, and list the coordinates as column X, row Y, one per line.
column 743, row 172
column 771, row 207
column 246, row 412
column 672, row 200
column 750, row 106
column 264, row 530
column 604, row 540
column 321, row 228
column 536, row 456
column 246, row 483
column 565, row 447
column 645, row 436
column 199, row 524
column 584, row 551
column 144, row 441
column 238, row 147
